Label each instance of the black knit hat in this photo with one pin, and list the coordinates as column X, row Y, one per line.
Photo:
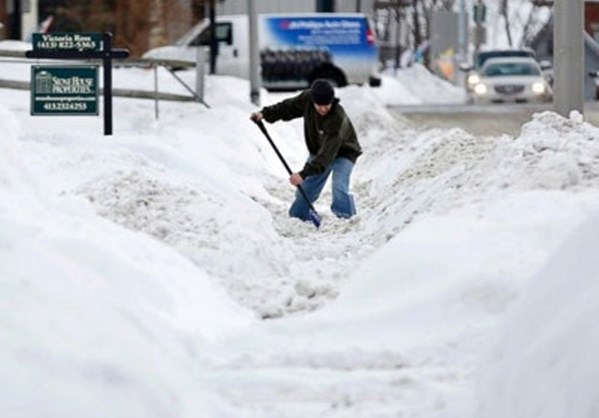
column 322, row 92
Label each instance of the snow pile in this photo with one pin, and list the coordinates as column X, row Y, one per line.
column 404, row 175
column 418, row 307
column 553, row 153
column 417, row 85
column 544, row 362
column 146, row 244
column 96, row 318
column 173, row 197
column 183, row 217
column 9, row 155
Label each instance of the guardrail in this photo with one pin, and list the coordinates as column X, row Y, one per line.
column 128, row 93
column 18, row 57
column 133, row 62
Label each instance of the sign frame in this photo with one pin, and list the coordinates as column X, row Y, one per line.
column 106, row 54
column 67, row 99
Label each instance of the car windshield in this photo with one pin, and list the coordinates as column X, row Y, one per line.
column 511, row 68
column 484, row 56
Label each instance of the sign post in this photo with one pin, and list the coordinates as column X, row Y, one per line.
column 74, row 46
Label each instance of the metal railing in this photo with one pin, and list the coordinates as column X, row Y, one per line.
column 18, row 57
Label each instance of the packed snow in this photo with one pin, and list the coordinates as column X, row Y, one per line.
column 155, row 273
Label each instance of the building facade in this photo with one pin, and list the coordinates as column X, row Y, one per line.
column 227, row 7
column 18, row 18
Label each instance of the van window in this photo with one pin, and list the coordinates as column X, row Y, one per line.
column 224, row 33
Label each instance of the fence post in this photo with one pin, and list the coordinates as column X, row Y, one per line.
column 200, row 71
column 156, row 110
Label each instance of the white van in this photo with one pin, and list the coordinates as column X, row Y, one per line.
column 295, row 49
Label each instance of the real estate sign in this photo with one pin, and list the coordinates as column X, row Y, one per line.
column 76, row 41
column 72, row 90
column 64, row 90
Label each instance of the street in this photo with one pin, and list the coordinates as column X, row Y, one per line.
column 481, row 120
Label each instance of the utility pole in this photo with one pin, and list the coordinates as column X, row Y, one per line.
column 213, row 41
column 397, row 38
column 568, row 46
column 254, row 54
column 462, row 22
column 462, row 43
column 325, row 6
column 15, row 25
column 479, row 17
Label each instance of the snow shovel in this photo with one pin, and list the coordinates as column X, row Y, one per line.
column 314, row 216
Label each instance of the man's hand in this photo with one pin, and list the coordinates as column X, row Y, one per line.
column 256, row 116
column 296, row 179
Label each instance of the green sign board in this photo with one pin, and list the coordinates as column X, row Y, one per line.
column 60, row 90
column 479, row 13
column 67, row 41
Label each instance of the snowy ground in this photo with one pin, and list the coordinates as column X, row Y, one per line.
column 136, row 270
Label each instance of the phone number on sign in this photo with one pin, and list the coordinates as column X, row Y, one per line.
column 79, row 45
column 65, row 106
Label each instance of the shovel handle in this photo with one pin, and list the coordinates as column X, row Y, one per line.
column 265, row 132
column 299, row 187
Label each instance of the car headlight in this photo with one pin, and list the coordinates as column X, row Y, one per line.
column 473, row 79
column 480, row 89
column 538, row 88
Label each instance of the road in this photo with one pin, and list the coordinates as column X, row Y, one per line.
column 481, row 120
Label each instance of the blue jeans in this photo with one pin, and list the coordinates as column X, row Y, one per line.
column 343, row 203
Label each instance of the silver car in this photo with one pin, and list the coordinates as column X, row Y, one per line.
column 513, row 79
column 481, row 58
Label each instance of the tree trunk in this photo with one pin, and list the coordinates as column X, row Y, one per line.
column 505, row 13
column 418, row 35
column 157, row 33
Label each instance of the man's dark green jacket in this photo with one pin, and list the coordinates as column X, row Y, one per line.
column 327, row 137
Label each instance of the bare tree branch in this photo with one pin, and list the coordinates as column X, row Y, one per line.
column 505, row 13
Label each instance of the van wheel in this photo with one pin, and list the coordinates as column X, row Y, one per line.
column 331, row 73
column 374, row 81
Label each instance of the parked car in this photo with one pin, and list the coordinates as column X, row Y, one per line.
column 481, row 58
column 294, row 49
column 512, row 79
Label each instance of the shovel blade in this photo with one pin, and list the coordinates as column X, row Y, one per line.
column 315, row 218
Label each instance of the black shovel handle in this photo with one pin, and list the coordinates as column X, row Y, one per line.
column 299, row 187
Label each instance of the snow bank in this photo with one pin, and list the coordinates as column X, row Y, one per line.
column 417, row 85
column 544, row 362
column 552, row 152
column 125, row 312
column 421, row 304
column 9, row 155
column 510, row 192
column 96, row 317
